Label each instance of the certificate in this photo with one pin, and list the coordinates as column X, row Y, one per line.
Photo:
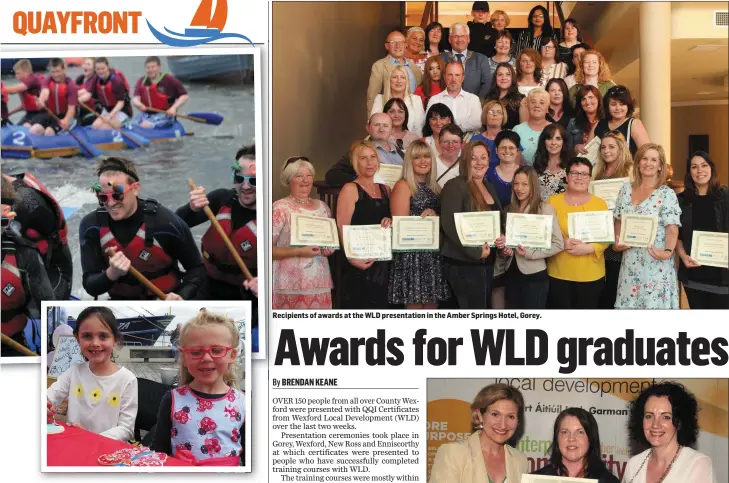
column 591, row 226
column 388, row 174
column 318, row 231
column 608, row 190
column 593, row 149
column 638, row 230
column 476, row 228
column 554, row 479
column 415, row 233
column 710, row 248
column 529, row 231
column 363, row 242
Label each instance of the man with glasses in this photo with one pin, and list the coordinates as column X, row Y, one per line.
column 146, row 235
column 465, row 106
column 235, row 210
column 477, row 71
column 481, row 31
column 381, row 70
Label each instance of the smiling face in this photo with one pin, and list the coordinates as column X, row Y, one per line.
column 422, row 164
column 58, row 74
column 96, row 340
column 526, row 64
column 436, row 123
column 459, row 39
column 88, row 66
column 152, row 69
column 119, row 210
column 650, row 164
column 380, row 127
column 434, row 36
column 479, row 162
column 570, row 32
column 499, row 22
column 538, row 18
column 397, row 114
column 578, row 178
column 208, row 370
column 454, row 76
column 556, row 96
column 395, row 45
column 538, row 106
column 367, row 162
column 102, row 70
column 700, row 171
column 449, row 146
column 589, row 103
column 416, row 41
column 398, row 83
column 435, row 71
column 590, row 65
column 618, row 110
column 573, row 441
column 609, row 149
column 555, row 143
column 503, row 46
column 247, row 192
column 503, row 77
column 301, row 183
column 500, row 421
column 658, row 421
column 521, row 186
column 507, row 151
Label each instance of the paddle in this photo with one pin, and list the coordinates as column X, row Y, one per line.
column 225, row 238
column 133, row 141
column 88, row 150
column 142, row 279
column 18, row 347
column 201, row 117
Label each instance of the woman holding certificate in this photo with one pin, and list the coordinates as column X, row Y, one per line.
column 301, row 276
column 470, row 221
column 648, row 213
column 527, row 283
column 576, row 275
column 364, row 202
column 497, row 413
column 705, row 222
column 416, row 277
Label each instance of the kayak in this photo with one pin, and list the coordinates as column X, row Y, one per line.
column 19, row 143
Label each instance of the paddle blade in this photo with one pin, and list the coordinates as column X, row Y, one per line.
column 87, row 148
column 134, row 140
column 206, row 117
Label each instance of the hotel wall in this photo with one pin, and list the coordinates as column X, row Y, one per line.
column 709, row 119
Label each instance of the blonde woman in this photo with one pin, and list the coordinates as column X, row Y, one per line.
column 497, row 413
column 399, row 86
column 648, row 275
column 538, row 105
column 592, row 70
column 416, row 278
column 301, row 276
column 415, row 42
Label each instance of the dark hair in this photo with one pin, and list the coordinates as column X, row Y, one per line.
column 684, row 408
column 571, row 67
column 56, row 62
column 509, row 135
column 620, row 94
column 513, row 97
column 500, row 34
column 546, row 28
column 443, row 43
column 453, row 129
column 593, row 465
column 541, row 158
column 576, row 161
column 575, row 25
column 118, row 164
column 396, row 100
column 442, row 111
column 101, row 60
column 152, row 58
column 581, row 120
column 246, row 152
column 105, row 315
column 688, row 182
column 566, row 104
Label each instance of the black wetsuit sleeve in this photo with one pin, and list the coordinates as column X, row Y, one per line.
column 341, row 173
column 93, row 263
column 162, row 442
column 38, row 285
column 216, row 198
column 34, row 212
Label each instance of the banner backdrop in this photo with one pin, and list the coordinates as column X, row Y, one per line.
column 449, row 415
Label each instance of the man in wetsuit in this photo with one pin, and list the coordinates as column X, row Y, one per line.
column 59, row 94
column 112, row 91
column 147, row 236
column 41, row 221
column 158, row 90
column 29, row 88
column 24, row 280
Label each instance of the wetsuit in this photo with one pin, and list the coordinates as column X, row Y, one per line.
column 169, row 238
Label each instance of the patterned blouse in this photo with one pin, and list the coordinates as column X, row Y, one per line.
column 552, row 184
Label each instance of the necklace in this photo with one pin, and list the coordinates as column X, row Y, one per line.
column 301, row 202
column 665, row 473
column 370, row 191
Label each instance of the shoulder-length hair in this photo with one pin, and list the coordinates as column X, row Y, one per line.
column 387, row 91
column 427, row 80
column 536, row 58
column 356, row 149
column 620, row 94
column 535, row 196
column 592, row 464
column 488, row 105
column 492, row 394
column 571, row 67
column 440, row 110
column 566, row 104
column 662, row 174
column 547, row 29
column 575, row 25
column 443, row 43
column 684, row 411
column 541, row 158
column 513, row 97
column 507, row 20
column 624, row 167
column 690, row 189
column 401, row 104
column 477, row 202
column 417, row 149
column 580, row 115
column 603, row 71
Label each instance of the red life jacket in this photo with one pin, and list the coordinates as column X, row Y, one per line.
column 105, row 92
column 28, row 97
column 146, row 255
column 14, row 298
column 219, row 263
column 152, row 97
column 58, row 97
column 58, row 238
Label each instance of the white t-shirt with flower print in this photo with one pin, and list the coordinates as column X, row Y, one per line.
column 102, row 404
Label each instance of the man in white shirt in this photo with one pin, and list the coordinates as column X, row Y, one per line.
column 477, row 71
column 466, row 107
column 381, row 70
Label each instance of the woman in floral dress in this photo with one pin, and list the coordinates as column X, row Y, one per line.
column 648, row 278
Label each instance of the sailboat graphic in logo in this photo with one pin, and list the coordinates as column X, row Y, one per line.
column 212, row 23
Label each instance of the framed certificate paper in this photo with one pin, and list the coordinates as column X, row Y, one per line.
column 313, row 230
column 593, row 148
column 476, row 228
column 364, row 242
column 608, row 190
column 591, row 226
column 710, row 248
column 638, row 230
column 529, row 231
column 388, row 174
column 554, row 479
column 415, row 233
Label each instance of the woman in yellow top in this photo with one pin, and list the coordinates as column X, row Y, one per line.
column 497, row 414
column 577, row 274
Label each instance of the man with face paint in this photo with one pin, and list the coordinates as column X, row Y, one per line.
column 24, row 279
column 235, row 210
column 146, row 235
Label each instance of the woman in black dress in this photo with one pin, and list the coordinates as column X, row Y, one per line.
column 505, row 89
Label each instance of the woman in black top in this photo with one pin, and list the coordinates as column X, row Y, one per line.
column 504, row 88
column 560, row 108
column 575, row 451
column 537, row 33
column 704, row 207
column 619, row 106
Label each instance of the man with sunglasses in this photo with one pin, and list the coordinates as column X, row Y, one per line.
column 146, row 236
column 235, row 210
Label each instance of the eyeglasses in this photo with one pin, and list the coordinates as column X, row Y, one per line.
column 578, row 175
column 495, row 113
column 116, row 195
column 459, row 37
column 216, row 352
column 538, row 15
column 450, row 143
column 239, row 179
column 548, row 47
column 396, row 43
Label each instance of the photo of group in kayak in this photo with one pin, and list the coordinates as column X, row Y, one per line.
column 127, row 176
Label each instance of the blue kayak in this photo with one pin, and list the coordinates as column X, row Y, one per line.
column 17, row 142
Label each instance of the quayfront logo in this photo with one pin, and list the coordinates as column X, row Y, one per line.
column 206, row 26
